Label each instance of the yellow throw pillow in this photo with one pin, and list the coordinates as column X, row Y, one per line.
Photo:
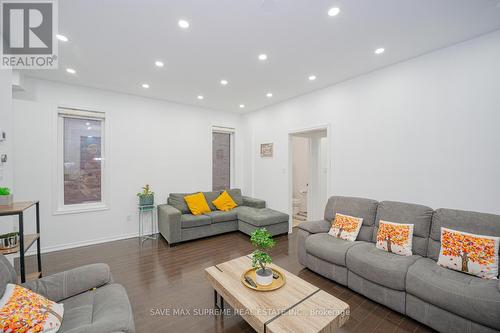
column 224, row 202
column 197, row 203
column 22, row 310
column 395, row 237
column 469, row 253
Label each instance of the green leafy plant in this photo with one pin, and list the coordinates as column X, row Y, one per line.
column 146, row 191
column 262, row 240
column 4, row 191
column 11, row 234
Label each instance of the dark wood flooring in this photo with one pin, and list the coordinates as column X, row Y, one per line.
column 158, row 277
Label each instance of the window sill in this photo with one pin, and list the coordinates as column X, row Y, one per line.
column 83, row 208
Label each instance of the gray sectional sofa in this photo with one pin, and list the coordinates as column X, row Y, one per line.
column 177, row 224
column 92, row 302
column 444, row 299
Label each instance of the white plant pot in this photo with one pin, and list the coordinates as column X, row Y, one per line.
column 6, row 200
column 264, row 280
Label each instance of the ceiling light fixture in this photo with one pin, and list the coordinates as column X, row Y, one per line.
column 333, row 11
column 159, row 63
column 262, row 57
column 380, row 50
column 224, row 82
column 200, row 97
column 70, row 70
column 242, row 106
column 62, row 38
column 312, row 77
column 183, row 24
column 269, row 95
column 145, row 86
column 89, row 128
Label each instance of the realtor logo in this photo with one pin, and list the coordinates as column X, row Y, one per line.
column 28, row 30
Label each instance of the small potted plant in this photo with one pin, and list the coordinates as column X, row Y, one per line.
column 5, row 196
column 262, row 240
column 146, row 197
column 8, row 241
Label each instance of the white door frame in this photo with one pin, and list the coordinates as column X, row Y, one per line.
column 305, row 130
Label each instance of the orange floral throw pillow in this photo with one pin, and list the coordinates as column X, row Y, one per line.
column 346, row 227
column 395, row 237
column 469, row 253
column 24, row 311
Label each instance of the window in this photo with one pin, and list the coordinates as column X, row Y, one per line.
column 81, row 160
column 222, row 158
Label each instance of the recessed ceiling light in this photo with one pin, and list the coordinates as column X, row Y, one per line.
column 262, row 57
column 89, row 128
column 70, row 70
column 183, row 24
column 159, row 63
column 62, row 38
column 380, row 50
column 269, row 95
column 333, row 11
column 200, row 97
column 312, row 77
column 88, row 124
column 224, row 82
column 242, row 106
column 145, row 85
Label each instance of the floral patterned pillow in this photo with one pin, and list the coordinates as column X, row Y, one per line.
column 395, row 237
column 469, row 253
column 22, row 310
column 346, row 227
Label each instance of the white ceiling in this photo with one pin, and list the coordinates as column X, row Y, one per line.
column 113, row 44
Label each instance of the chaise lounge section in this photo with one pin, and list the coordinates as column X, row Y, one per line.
column 177, row 224
column 446, row 300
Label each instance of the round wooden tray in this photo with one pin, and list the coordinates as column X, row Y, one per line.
column 276, row 284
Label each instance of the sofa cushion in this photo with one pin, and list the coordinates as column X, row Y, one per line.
column 224, row 202
column 471, row 222
column 379, row 266
column 7, row 274
column 220, row 216
column 359, row 207
column 465, row 295
column 400, row 212
column 177, row 200
column 192, row 221
column 235, row 193
column 260, row 217
column 328, row 248
column 105, row 309
column 211, row 196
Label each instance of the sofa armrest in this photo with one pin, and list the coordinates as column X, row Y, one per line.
column 252, row 202
column 60, row 286
column 315, row 227
column 498, row 285
column 169, row 223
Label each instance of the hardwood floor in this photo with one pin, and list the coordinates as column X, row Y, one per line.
column 159, row 278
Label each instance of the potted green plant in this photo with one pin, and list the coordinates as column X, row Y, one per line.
column 146, row 197
column 8, row 241
column 5, row 196
column 262, row 240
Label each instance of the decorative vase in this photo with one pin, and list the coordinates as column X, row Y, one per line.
column 264, row 278
column 147, row 200
column 6, row 200
column 10, row 241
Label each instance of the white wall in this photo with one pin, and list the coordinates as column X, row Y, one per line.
column 300, row 164
column 6, row 147
column 163, row 144
column 424, row 131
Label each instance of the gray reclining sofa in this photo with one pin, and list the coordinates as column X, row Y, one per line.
column 177, row 224
column 92, row 302
column 444, row 299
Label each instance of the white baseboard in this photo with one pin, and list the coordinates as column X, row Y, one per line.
column 73, row 245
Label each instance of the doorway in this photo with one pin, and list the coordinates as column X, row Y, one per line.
column 309, row 165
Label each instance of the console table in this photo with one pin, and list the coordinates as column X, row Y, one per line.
column 25, row 241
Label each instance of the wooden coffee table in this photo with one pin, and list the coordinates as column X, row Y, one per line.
column 298, row 306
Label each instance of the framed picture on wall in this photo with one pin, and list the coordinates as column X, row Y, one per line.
column 266, row 150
